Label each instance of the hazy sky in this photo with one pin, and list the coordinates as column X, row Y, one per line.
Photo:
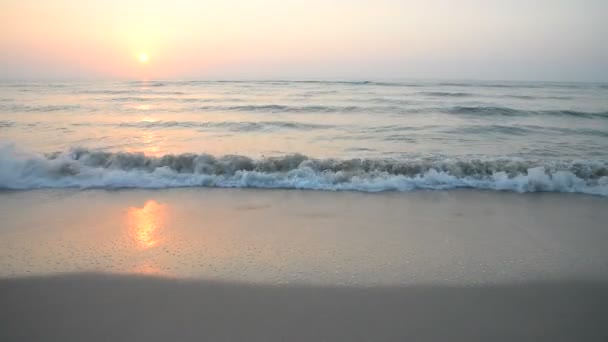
column 350, row 39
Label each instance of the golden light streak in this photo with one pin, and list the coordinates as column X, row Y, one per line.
column 145, row 224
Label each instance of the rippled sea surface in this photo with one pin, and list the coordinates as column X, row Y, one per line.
column 329, row 135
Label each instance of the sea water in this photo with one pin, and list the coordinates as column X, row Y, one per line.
column 322, row 135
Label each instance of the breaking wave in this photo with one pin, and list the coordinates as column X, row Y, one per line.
column 82, row 168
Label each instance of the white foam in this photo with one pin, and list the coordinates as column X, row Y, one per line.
column 24, row 170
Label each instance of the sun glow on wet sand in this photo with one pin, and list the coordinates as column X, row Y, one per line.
column 145, row 224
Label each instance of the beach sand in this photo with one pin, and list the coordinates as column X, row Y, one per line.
column 92, row 307
column 273, row 265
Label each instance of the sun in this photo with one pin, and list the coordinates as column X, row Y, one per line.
column 143, row 57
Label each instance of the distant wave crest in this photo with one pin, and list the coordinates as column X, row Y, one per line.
column 39, row 108
column 445, row 94
column 507, row 111
column 82, row 168
column 242, row 126
column 278, row 108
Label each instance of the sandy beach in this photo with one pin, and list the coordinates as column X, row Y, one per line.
column 94, row 307
column 270, row 265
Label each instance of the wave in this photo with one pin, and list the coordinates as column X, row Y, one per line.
column 282, row 82
column 276, row 108
column 390, row 83
column 104, row 91
column 156, row 98
column 329, row 82
column 229, row 125
column 485, row 110
column 536, row 97
column 5, row 124
column 397, row 106
column 39, row 108
column 512, row 85
column 126, row 92
column 82, row 168
column 575, row 113
column 137, row 99
column 323, row 82
column 491, row 129
column 523, row 130
column 445, row 94
column 506, row 111
column 146, row 84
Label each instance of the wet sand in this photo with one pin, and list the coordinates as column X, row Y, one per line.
column 93, row 307
column 258, row 265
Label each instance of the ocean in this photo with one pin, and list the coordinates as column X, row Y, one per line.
column 321, row 135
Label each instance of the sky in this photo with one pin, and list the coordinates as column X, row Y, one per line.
column 553, row 40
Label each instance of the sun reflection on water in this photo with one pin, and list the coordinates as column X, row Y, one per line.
column 143, row 107
column 146, row 224
column 148, row 143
